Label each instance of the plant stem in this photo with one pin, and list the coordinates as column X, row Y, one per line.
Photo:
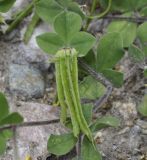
column 30, row 124
column 31, row 27
column 90, row 17
column 103, row 13
column 21, row 16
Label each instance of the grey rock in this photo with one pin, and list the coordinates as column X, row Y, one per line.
column 26, row 80
column 33, row 140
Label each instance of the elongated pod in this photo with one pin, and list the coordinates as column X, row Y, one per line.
column 60, row 91
column 67, row 92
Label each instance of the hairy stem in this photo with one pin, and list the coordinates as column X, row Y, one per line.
column 20, row 17
column 31, row 27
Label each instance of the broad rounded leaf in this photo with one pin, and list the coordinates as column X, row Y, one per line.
column 126, row 29
column 2, row 144
column 48, row 10
column 61, row 144
column 67, row 24
column 136, row 53
column 13, row 118
column 7, row 134
column 5, row 5
column 141, row 33
column 4, row 108
column 143, row 106
column 91, row 89
column 49, row 42
column 115, row 77
column 88, row 152
column 109, row 51
column 82, row 42
column 106, row 121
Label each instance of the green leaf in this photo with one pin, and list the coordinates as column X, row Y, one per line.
column 48, row 10
column 61, row 144
column 115, row 77
column 143, row 12
column 106, row 121
column 4, row 107
column 82, row 42
column 67, row 24
column 13, row 118
column 5, row 5
column 126, row 29
column 74, row 7
column 7, row 134
column 87, row 111
column 145, row 73
column 49, row 42
column 109, row 51
column 91, row 89
column 143, row 106
column 136, row 53
column 141, row 33
column 125, row 5
column 63, row 3
column 2, row 144
column 88, row 152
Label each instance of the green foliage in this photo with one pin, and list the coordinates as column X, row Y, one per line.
column 91, row 89
column 106, row 121
column 67, row 26
column 143, row 106
column 49, row 42
column 136, row 53
column 115, row 77
column 141, row 33
column 126, row 29
column 5, row 5
column 88, row 152
column 2, row 144
column 61, row 144
column 49, row 9
column 109, row 51
column 87, row 111
column 125, row 5
column 6, row 118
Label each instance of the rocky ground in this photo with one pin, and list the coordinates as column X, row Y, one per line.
column 27, row 79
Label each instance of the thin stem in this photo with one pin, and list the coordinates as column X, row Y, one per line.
column 78, row 147
column 132, row 19
column 20, row 17
column 93, row 6
column 30, row 124
column 31, row 27
column 103, row 13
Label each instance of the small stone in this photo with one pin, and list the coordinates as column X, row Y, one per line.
column 26, row 81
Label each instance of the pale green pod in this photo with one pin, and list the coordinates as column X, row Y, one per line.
column 67, row 93
column 60, row 91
